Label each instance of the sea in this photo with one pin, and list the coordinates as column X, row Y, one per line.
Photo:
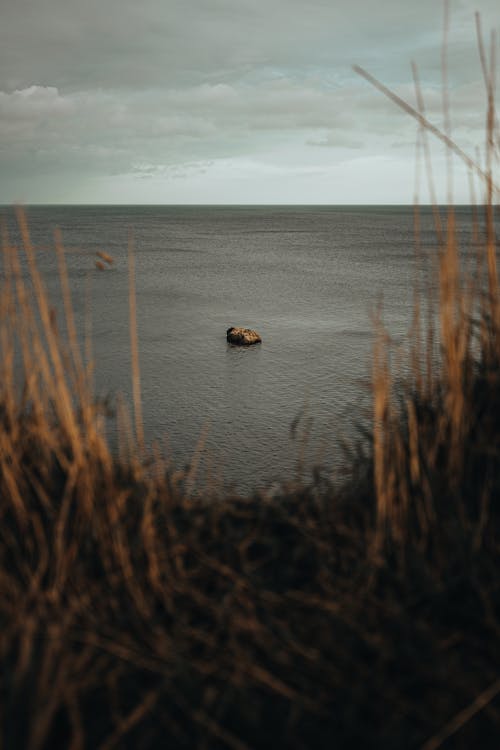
column 312, row 280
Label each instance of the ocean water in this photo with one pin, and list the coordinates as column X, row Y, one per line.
column 308, row 279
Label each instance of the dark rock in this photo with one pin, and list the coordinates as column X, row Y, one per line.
column 242, row 336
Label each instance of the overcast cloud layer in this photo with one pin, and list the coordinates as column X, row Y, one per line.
column 227, row 101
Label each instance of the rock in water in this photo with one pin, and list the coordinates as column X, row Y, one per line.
column 242, row 336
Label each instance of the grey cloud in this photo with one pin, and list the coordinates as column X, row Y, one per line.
column 168, row 88
column 336, row 139
column 123, row 43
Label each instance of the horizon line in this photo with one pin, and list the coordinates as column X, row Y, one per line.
column 22, row 204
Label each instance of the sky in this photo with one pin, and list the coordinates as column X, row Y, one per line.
column 231, row 101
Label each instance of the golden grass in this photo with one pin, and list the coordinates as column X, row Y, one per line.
column 406, row 451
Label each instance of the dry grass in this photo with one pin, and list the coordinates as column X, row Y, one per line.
column 432, row 431
column 367, row 615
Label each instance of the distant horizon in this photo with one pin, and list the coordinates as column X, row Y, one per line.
column 243, row 205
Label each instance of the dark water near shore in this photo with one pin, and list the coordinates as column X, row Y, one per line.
column 307, row 278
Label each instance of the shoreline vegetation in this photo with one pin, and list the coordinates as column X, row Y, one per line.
column 136, row 614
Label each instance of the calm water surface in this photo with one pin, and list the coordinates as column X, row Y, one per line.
column 307, row 278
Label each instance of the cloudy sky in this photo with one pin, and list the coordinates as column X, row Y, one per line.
column 227, row 101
